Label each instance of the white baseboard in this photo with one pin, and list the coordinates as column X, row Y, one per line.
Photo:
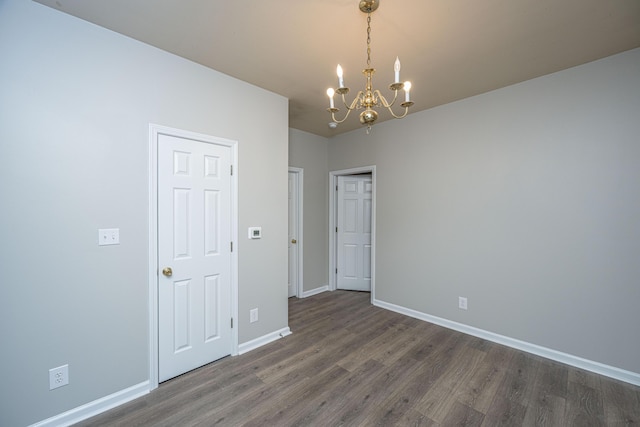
column 96, row 407
column 265, row 339
column 315, row 291
column 558, row 356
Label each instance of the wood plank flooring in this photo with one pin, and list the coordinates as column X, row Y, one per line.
column 349, row 363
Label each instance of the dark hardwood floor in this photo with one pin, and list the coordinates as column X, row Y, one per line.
column 349, row 363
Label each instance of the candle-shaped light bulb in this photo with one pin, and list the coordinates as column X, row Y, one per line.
column 340, row 80
column 330, row 93
column 396, row 68
column 407, row 88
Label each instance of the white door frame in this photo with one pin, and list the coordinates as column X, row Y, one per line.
column 299, row 248
column 333, row 205
column 154, row 132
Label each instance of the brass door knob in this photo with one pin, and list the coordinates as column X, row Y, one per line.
column 294, row 241
column 167, row 271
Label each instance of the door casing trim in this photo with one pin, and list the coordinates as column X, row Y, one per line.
column 333, row 204
column 154, row 131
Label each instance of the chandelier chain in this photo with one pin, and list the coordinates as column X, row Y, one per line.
column 369, row 40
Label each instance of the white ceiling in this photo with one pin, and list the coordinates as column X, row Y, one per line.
column 449, row 49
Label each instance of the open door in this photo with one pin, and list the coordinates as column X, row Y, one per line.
column 354, row 226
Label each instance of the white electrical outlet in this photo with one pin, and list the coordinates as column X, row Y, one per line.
column 58, row 376
column 462, row 303
column 253, row 315
column 108, row 236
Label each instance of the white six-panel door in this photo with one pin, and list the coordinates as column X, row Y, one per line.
column 194, row 237
column 354, row 233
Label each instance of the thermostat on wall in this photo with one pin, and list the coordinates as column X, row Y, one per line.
column 255, row 232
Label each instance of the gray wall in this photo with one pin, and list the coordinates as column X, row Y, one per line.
column 76, row 101
column 309, row 152
column 526, row 201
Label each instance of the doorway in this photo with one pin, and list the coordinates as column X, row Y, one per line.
column 193, row 285
column 334, row 178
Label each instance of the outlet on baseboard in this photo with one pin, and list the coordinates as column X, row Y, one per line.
column 58, row 376
column 462, row 303
column 253, row 315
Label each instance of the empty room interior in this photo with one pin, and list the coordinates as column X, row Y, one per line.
column 183, row 181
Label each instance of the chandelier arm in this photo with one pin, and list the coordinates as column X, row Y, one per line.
column 359, row 95
column 388, row 105
column 349, row 108
column 406, row 111
column 384, row 101
column 333, row 116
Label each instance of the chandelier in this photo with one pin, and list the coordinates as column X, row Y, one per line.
column 369, row 98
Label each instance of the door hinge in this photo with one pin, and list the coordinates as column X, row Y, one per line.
column 336, row 271
column 231, row 169
column 336, row 229
column 336, row 188
column 231, row 246
column 232, row 323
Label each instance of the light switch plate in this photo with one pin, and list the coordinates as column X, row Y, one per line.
column 108, row 236
column 255, row 232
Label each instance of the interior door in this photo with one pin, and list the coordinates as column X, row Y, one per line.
column 293, row 234
column 354, row 232
column 194, row 254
